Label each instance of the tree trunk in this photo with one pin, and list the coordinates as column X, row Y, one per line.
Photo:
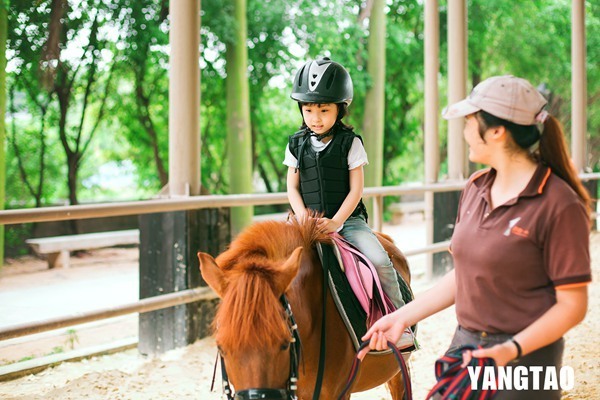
column 143, row 105
column 373, row 121
column 51, row 49
column 3, row 37
column 36, row 191
column 239, row 149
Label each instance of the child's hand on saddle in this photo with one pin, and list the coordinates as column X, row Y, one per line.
column 329, row 225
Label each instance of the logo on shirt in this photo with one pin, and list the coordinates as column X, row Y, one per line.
column 516, row 230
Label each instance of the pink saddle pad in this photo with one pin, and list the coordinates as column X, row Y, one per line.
column 363, row 279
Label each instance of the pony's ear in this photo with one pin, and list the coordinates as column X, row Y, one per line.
column 289, row 269
column 211, row 273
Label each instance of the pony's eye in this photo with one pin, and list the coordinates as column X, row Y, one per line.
column 285, row 346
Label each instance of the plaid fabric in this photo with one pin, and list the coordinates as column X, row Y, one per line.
column 454, row 382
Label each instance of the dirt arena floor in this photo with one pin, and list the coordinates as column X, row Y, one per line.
column 187, row 373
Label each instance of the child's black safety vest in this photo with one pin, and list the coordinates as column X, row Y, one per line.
column 324, row 175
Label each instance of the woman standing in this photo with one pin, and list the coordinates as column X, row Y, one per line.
column 521, row 239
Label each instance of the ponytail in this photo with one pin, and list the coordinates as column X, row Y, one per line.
column 553, row 152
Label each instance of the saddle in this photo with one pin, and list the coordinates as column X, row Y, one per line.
column 355, row 287
column 363, row 279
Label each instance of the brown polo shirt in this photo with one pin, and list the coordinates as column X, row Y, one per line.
column 510, row 260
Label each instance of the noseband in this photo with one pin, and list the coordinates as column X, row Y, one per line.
column 267, row 393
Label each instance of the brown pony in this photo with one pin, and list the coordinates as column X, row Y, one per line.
column 251, row 327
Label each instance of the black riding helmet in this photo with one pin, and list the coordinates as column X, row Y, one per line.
column 322, row 81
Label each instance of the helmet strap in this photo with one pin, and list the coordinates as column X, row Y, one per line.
column 322, row 136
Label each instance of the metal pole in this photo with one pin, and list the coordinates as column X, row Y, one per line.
column 578, row 85
column 457, row 78
column 184, row 98
column 432, row 67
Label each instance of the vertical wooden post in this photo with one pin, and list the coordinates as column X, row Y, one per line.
column 239, row 136
column 446, row 203
column 3, row 39
column 432, row 67
column 374, row 115
column 376, row 218
column 184, row 98
column 457, row 86
column 578, row 85
column 169, row 241
column 168, row 263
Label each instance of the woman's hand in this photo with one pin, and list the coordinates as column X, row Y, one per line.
column 329, row 225
column 387, row 328
column 502, row 354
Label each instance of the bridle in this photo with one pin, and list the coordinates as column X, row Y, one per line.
column 268, row 393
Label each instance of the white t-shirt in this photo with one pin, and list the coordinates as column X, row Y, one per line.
column 357, row 156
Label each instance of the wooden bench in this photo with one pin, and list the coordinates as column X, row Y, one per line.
column 57, row 249
column 398, row 210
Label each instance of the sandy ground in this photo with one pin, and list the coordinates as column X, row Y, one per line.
column 187, row 373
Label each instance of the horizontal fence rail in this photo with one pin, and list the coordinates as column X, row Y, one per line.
column 180, row 204
column 432, row 248
column 62, row 213
column 142, row 306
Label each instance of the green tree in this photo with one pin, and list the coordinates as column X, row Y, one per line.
column 3, row 39
column 403, row 143
column 77, row 127
column 505, row 39
column 141, row 103
column 32, row 160
column 60, row 78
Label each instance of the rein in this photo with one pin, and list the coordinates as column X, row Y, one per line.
column 356, row 366
column 268, row 393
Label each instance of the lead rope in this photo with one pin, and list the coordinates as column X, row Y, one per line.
column 454, row 382
column 401, row 362
column 321, row 370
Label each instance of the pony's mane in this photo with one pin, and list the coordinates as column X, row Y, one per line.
column 250, row 308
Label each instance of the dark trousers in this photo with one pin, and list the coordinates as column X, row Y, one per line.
column 550, row 355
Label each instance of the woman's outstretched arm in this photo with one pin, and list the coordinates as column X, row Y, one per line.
column 391, row 326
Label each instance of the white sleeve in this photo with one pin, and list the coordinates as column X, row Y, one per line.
column 357, row 156
column 289, row 159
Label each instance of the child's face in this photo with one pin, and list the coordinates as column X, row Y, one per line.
column 320, row 118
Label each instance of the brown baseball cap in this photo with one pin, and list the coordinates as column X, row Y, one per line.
column 507, row 97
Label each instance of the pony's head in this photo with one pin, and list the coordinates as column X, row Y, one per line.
column 252, row 329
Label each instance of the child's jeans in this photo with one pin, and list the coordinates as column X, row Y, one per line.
column 357, row 232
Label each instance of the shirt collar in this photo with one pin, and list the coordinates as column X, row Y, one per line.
column 535, row 187
column 538, row 181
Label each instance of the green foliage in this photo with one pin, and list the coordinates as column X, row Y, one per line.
column 403, row 151
column 72, row 338
column 14, row 239
column 531, row 39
